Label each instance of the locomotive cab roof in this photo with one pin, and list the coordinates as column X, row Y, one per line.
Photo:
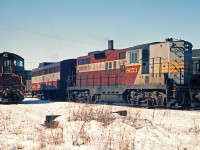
column 10, row 55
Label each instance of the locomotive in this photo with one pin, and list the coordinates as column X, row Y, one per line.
column 158, row 74
column 50, row 80
column 11, row 78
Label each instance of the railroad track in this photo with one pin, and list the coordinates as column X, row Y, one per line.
column 137, row 106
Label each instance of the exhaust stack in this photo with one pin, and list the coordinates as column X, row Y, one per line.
column 110, row 45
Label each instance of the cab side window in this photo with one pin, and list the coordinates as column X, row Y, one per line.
column 6, row 65
column 122, row 55
column 134, row 57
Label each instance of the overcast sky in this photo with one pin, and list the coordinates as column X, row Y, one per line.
column 54, row 30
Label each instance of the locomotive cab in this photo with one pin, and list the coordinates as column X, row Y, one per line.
column 165, row 71
column 11, row 64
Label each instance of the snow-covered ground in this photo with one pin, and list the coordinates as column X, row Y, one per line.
column 96, row 127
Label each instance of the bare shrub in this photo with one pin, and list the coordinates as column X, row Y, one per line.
column 136, row 121
column 81, row 137
column 87, row 114
column 124, row 142
column 57, row 137
column 49, row 136
column 41, row 138
column 120, row 142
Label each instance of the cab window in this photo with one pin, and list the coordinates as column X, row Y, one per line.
column 18, row 63
column 122, row 55
column 6, row 63
column 134, row 57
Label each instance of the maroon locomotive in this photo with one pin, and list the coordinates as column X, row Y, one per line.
column 11, row 78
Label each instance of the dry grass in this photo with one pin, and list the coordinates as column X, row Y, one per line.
column 88, row 113
column 81, row 137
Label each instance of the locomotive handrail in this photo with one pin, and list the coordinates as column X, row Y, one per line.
column 173, row 65
column 176, row 61
column 176, row 76
column 22, row 82
column 179, row 71
column 20, row 79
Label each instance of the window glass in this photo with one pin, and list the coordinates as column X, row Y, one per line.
column 110, row 65
column 122, row 55
column 114, row 65
column 87, row 60
column 18, row 63
column 6, row 63
column 106, row 65
column 57, row 69
column 46, row 71
column 84, row 61
column 50, row 70
column 134, row 57
column 6, row 66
